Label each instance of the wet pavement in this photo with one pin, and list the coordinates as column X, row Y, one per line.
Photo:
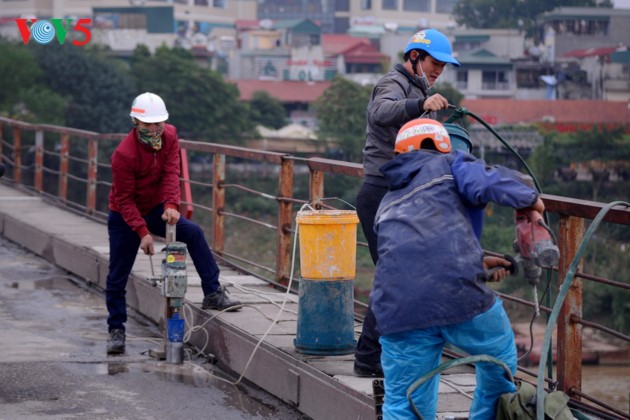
column 53, row 363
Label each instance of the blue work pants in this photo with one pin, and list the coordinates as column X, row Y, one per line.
column 409, row 355
column 123, row 248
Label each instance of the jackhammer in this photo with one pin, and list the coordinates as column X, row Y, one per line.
column 172, row 282
column 534, row 247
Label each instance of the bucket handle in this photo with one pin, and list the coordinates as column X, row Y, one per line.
column 318, row 203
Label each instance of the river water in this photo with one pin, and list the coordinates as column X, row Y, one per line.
column 610, row 384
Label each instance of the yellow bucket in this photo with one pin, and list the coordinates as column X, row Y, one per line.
column 328, row 243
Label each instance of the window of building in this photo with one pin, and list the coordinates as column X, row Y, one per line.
column 528, row 78
column 366, row 4
column 416, row 5
column 342, row 6
column 445, row 6
column 122, row 20
column 219, row 4
column 462, row 79
column 390, row 4
column 581, row 26
column 201, row 2
column 494, row 80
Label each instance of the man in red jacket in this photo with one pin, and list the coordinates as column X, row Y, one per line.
column 144, row 195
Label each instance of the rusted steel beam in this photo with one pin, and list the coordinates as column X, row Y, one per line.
column 39, row 160
column 285, row 218
column 316, row 188
column 186, row 193
column 17, row 155
column 218, row 204
column 91, row 174
column 569, row 364
column 16, row 123
column 585, row 209
column 600, row 327
column 336, row 167
column 233, row 151
column 63, row 166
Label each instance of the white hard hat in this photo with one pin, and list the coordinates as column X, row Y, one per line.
column 149, row 108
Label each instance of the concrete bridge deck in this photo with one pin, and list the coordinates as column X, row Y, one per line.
column 321, row 387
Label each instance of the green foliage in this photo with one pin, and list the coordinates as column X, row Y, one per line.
column 607, row 253
column 453, row 96
column 341, row 114
column 97, row 91
column 18, row 68
column 266, row 110
column 599, row 145
column 199, row 102
column 23, row 94
column 487, row 14
column 40, row 105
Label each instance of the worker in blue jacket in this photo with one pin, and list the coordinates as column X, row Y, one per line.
column 429, row 286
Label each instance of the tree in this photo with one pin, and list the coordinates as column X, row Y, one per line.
column 341, row 114
column 98, row 89
column 604, row 150
column 486, row 14
column 23, row 94
column 200, row 103
column 266, row 110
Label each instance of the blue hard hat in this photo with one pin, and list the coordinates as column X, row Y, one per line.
column 435, row 43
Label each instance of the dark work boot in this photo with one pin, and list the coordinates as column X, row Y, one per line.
column 116, row 342
column 365, row 370
column 219, row 300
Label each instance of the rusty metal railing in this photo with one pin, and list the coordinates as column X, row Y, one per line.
column 48, row 159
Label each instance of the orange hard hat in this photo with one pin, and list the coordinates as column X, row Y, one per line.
column 412, row 135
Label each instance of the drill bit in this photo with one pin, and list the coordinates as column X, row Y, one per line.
column 536, row 301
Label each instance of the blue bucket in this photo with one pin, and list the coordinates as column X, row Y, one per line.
column 325, row 317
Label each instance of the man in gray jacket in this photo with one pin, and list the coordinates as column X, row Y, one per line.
column 398, row 97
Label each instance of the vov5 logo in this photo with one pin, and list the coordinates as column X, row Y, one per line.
column 43, row 31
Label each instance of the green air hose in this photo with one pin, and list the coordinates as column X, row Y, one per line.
column 461, row 112
column 444, row 366
column 568, row 279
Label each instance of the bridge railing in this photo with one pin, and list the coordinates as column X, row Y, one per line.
column 72, row 167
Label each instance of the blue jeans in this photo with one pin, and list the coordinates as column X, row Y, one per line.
column 409, row 355
column 123, row 248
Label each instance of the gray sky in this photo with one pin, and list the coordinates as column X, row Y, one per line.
column 622, row 4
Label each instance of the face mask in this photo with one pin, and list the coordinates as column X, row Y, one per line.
column 421, row 80
column 150, row 137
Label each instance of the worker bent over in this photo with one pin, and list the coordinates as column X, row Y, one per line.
column 429, row 286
